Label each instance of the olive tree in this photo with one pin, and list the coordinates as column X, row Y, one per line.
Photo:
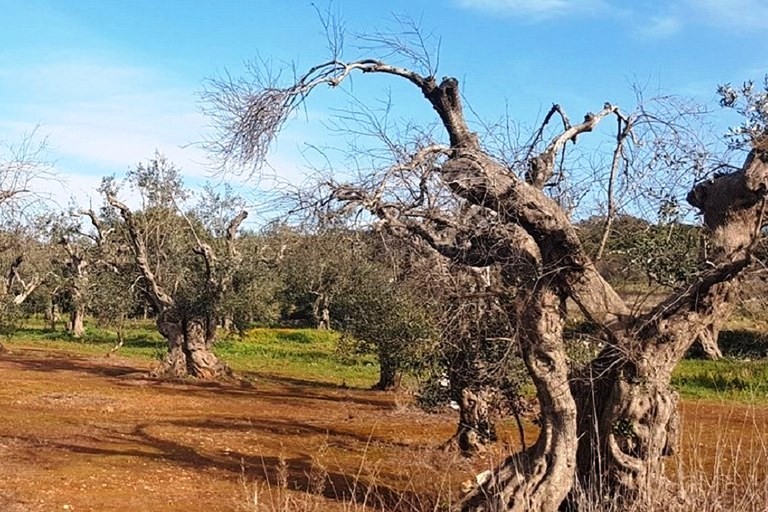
column 183, row 268
column 22, row 169
column 607, row 428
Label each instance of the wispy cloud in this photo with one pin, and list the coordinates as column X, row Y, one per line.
column 659, row 27
column 733, row 14
column 537, row 9
column 103, row 115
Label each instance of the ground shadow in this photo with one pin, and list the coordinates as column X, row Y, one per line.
column 298, row 473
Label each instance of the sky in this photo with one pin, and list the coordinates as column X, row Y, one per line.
column 111, row 81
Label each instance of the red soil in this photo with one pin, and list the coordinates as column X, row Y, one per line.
column 93, row 434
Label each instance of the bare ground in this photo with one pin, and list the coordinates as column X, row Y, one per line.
column 93, row 434
column 89, row 433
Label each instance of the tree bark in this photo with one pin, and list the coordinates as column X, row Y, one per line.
column 708, row 341
column 189, row 352
column 321, row 313
column 540, row 477
column 51, row 313
column 476, row 428
column 190, row 338
column 76, row 318
column 613, row 435
column 389, row 374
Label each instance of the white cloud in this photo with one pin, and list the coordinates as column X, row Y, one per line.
column 733, row 14
column 104, row 115
column 659, row 27
column 532, row 8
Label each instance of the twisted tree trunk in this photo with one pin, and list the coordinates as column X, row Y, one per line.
column 189, row 351
column 190, row 336
column 610, row 427
column 476, row 428
column 540, row 477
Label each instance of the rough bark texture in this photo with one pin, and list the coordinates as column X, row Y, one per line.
column 476, row 428
column 540, row 477
column 708, row 341
column 76, row 318
column 189, row 352
column 389, row 376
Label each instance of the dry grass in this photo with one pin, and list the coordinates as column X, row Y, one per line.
column 723, row 468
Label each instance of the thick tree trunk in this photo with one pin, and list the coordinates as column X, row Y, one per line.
column 540, row 477
column 708, row 341
column 76, row 318
column 389, row 374
column 627, row 425
column 189, row 351
column 476, row 428
column 51, row 314
column 321, row 312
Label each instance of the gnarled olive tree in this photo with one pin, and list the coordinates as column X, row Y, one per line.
column 608, row 427
column 181, row 274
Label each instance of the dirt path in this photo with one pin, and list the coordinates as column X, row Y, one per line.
column 92, row 434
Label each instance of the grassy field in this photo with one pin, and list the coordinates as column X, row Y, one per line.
column 312, row 354
column 308, row 353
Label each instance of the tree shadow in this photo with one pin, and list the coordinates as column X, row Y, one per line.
column 289, row 428
column 69, row 362
column 276, row 388
column 301, row 473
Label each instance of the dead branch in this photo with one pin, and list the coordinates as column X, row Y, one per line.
column 542, row 167
column 159, row 298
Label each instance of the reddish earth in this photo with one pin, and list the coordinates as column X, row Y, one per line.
column 93, row 434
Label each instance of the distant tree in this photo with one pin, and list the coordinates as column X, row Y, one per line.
column 317, row 269
column 22, row 167
column 384, row 314
column 182, row 267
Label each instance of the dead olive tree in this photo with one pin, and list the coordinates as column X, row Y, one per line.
column 23, row 169
column 606, row 429
column 181, row 274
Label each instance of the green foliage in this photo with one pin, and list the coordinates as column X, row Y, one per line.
column 665, row 253
column 750, row 101
column 11, row 318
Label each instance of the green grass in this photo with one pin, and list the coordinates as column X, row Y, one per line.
column 141, row 339
column 304, row 353
column 727, row 379
column 298, row 353
column 311, row 354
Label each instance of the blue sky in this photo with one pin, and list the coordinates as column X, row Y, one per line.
column 110, row 81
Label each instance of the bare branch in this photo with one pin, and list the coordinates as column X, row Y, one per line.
column 160, row 299
column 542, row 167
column 248, row 115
